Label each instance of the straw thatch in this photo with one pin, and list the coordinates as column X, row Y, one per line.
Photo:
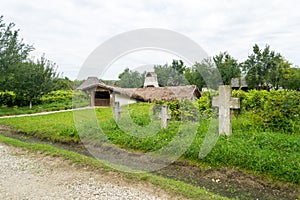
column 151, row 94
column 93, row 82
column 148, row 94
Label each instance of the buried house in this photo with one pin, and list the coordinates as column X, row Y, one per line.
column 102, row 94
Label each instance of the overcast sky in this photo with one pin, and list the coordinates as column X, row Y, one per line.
column 68, row 31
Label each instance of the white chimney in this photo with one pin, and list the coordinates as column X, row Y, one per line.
column 151, row 80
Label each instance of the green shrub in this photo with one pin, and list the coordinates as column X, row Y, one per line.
column 172, row 105
column 66, row 97
column 206, row 110
column 7, row 98
column 274, row 110
column 189, row 110
column 57, row 96
column 185, row 110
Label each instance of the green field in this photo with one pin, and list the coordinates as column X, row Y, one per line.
column 272, row 154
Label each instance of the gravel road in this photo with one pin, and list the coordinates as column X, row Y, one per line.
column 24, row 175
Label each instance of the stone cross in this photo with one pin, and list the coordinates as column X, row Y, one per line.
column 164, row 115
column 117, row 110
column 225, row 102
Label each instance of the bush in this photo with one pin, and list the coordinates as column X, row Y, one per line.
column 206, row 110
column 275, row 110
column 172, row 105
column 185, row 110
column 7, row 98
column 57, row 96
column 65, row 96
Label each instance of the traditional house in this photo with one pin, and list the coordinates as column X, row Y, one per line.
column 104, row 95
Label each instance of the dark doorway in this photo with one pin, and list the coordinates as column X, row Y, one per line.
column 102, row 98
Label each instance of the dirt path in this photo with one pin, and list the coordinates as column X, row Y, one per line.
column 24, row 175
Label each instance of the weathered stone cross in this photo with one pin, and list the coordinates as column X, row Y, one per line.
column 164, row 115
column 117, row 110
column 225, row 102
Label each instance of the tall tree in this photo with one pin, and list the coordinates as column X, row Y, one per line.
column 227, row 66
column 209, row 75
column 62, row 84
column 28, row 79
column 130, row 79
column 178, row 66
column 264, row 68
column 291, row 79
column 194, row 77
column 31, row 80
column 12, row 52
column 204, row 74
column 171, row 75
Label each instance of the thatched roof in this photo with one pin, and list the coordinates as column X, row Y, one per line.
column 151, row 94
column 148, row 94
column 165, row 93
column 89, row 83
column 93, row 82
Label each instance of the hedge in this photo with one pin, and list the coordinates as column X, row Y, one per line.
column 275, row 110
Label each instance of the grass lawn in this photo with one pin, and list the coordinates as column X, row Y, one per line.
column 35, row 108
column 273, row 154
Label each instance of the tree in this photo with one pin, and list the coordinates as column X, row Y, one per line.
column 130, row 79
column 12, row 52
column 178, row 66
column 32, row 80
column 62, row 84
column 77, row 83
column 291, row 79
column 26, row 78
column 204, row 74
column 208, row 74
column 227, row 66
column 264, row 68
column 171, row 75
column 194, row 77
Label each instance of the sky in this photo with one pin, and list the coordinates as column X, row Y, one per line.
column 67, row 32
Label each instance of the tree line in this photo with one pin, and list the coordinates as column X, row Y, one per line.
column 263, row 69
column 30, row 78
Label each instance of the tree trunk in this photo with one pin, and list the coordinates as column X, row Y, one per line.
column 30, row 104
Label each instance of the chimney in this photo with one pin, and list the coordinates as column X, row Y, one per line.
column 151, row 80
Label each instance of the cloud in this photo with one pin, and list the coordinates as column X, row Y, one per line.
column 68, row 31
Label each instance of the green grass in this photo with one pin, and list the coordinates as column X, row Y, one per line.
column 35, row 108
column 64, row 105
column 50, row 127
column 273, row 154
column 172, row 186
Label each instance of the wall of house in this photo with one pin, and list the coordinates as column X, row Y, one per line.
column 124, row 100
